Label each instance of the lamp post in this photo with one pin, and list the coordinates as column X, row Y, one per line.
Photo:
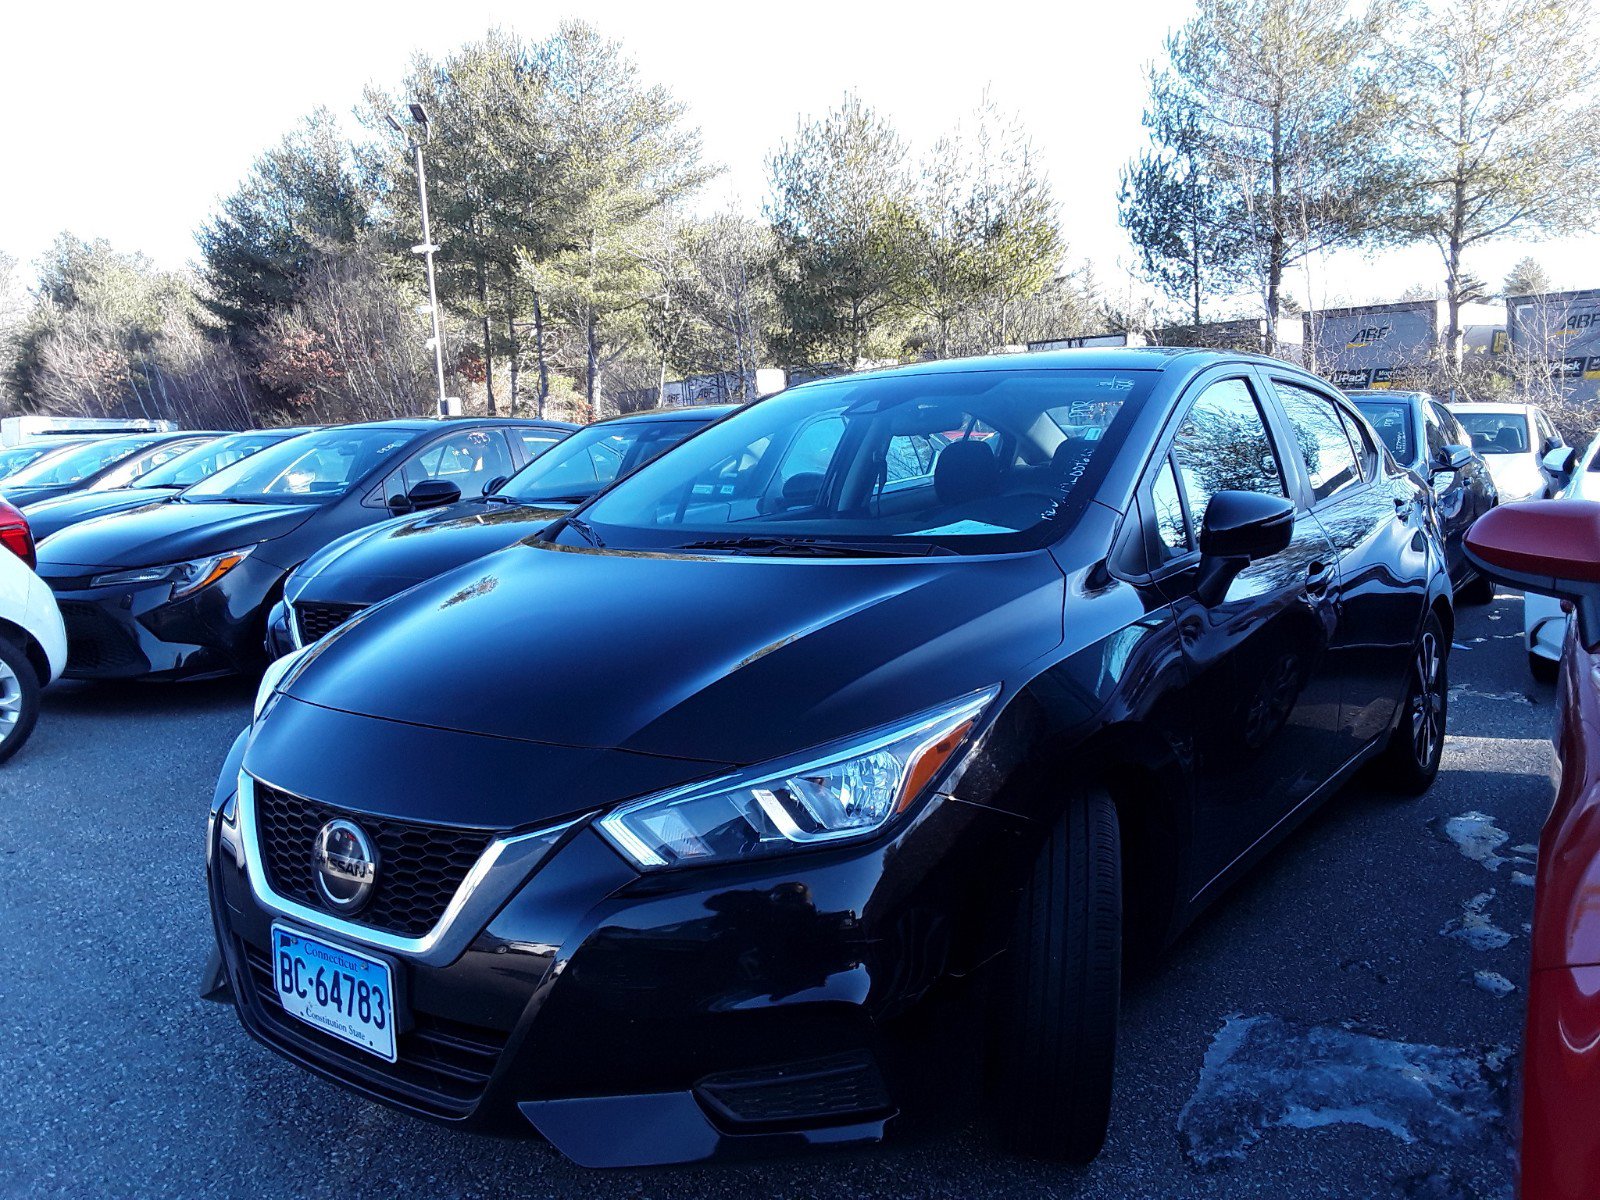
column 419, row 118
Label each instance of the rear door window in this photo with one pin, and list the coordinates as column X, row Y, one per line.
column 1324, row 446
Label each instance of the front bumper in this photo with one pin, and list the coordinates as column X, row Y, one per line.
column 138, row 631
column 637, row 1019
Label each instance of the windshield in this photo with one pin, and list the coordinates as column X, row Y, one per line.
column 577, row 467
column 17, row 457
column 136, row 468
column 204, row 461
column 1392, row 420
column 1496, row 433
column 310, row 469
column 78, row 463
column 976, row 462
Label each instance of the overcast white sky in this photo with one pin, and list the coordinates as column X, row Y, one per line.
column 127, row 121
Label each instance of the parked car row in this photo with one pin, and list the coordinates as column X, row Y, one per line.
column 647, row 828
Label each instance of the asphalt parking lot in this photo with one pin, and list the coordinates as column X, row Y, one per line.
column 1344, row 1023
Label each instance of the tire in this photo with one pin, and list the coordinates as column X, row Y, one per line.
column 1480, row 590
column 1058, row 1000
column 1410, row 761
column 19, row 699
column 1545, row 670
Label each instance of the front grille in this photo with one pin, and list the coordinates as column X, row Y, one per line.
column 834, row 1089
column 95, row 640
column 420, row 867
column 314, row 620
column 443, row 1065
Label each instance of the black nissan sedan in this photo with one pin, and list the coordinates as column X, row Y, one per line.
column 652, row 835
column 1425, row 437
column 107, row 461
column 373, row 564
column 118, row 494
column 182, row 590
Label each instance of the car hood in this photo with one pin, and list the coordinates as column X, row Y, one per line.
column 1516, row 476
column 51, row 516
column 715, row 659
column 373, row 564
column 163, row 533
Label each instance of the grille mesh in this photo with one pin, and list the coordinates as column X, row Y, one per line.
column 420, row 867
column 95, row 641
column 314, row 620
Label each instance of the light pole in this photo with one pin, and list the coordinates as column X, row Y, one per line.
column 419, row 118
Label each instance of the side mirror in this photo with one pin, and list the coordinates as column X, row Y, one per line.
column 1560, row 462
column 1551, row 547
column 1238, row 529
column 495, row 484
column 430, row 493
column 1452, row 459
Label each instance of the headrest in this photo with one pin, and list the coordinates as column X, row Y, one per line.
column 966, row 471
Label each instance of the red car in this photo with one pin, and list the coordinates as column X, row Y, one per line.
column 1553, row 547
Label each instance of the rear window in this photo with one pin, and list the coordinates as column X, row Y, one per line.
column 1496, row 433
column 1391, row 420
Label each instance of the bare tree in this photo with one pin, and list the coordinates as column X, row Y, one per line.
column 1500, row 126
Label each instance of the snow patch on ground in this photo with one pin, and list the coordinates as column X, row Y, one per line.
column 1474, row 926
column 1263, row 1073
column 1493, row 982
column 1461, row 691
column 1476, row 835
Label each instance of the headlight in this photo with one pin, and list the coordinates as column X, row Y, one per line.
column 186, row 577
column 846, row 790
column 277, row 670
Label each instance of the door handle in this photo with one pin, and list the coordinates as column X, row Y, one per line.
column 1318, row 576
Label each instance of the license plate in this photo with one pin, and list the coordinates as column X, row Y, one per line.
column 339, row 991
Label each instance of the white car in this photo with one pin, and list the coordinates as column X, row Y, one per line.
column 1513, row 440
column 1544, row 621
column 33, row 642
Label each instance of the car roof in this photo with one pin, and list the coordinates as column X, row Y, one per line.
column 679, row 412
column 1185, row 359
column 429, row 424
column 1359, row 394
column 1492, row 406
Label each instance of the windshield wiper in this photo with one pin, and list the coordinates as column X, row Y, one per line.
column 801, row 547
column 587, row 532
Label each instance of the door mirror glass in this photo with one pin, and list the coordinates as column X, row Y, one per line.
column 1551, row 547
column 1239, row 528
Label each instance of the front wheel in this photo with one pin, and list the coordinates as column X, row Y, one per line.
column 1545, row 670
column 19, row 699
column 1057, row 1025
column 1411, row 759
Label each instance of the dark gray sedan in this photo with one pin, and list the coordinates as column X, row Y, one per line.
column 1425, row 438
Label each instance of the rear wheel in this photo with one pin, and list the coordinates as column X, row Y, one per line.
column 1411, row 759
column 1057, row 1025
column 1545, row 670
column 19, row 699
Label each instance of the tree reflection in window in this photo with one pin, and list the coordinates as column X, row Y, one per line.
column 1222, row 446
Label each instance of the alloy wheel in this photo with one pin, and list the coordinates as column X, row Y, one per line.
column 10, row 700
column 1427, row 705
